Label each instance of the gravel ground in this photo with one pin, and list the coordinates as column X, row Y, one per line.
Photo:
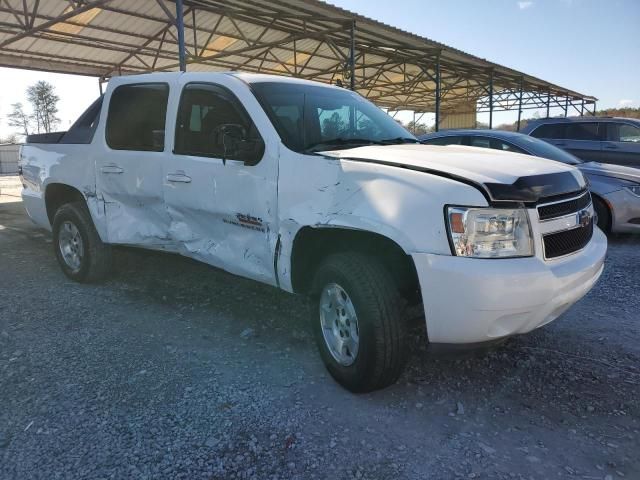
column 173, row 369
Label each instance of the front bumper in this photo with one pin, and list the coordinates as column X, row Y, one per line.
column 625, row 208
column 471, row 300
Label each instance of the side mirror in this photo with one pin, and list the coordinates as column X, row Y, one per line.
column 237, row 145
column 252, row 151
column 229, row 136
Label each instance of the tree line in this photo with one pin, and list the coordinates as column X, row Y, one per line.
column 39, row 116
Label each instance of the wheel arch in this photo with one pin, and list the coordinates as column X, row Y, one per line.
column 312, row 244
column 57, row 194
column 610, row 215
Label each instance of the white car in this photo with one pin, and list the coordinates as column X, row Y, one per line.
column 314, row 190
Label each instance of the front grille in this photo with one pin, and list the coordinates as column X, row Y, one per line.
column 568, row 241
column 559, row 209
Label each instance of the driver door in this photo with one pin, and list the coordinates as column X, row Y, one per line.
column 220, row 184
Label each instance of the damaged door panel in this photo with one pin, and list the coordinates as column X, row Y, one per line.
column 129, row 165
column 220, row 184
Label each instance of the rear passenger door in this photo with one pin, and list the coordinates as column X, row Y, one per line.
column 129, row 164
column 622, row 144
column 583, row 140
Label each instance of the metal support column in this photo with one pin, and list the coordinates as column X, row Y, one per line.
column 520, row 104
column 100, row 85
column 352, row 56
column 566, row 105
column 548, row 102
column 491, row 100
column 594, row 108
column 180, row 28
column 582, row 110
column 438, row 93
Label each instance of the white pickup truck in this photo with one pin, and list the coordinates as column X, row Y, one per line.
column 314, row 190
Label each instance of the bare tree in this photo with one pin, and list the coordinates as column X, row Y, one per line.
column 19, row 118
column 418, row 128
column 13, row 138
column 44, row 102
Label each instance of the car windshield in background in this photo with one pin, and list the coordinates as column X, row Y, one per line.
column 543, row 149
column 313, row 118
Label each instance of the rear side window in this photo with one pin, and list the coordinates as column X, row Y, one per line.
column 137, row 116
column 482, row 142
column 452, row 140
column 505, row 146
column 583, row 131
column 551, row 130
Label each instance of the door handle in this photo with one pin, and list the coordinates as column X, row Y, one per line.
column 611, row 147
column 178, row 177
column 561, row 144
column 111, row 169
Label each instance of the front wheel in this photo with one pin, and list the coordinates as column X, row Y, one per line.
column 360, row 327
column 80, row 252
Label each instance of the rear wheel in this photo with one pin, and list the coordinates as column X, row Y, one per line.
column 604, row 215
column 360, row 327
column 81, row 254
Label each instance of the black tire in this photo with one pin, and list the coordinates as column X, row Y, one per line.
column 383, row 346
column 604, row 215
column 95, row 261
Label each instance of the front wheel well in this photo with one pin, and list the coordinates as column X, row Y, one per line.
column 605, row 214
column 58, row 194
column 311, row 245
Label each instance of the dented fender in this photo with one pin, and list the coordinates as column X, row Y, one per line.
column 44, row 165
column 402, row 205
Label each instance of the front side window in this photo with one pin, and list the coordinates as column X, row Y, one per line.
column 314, row 118
column 137, row 116
column 551, row 130
column 540, row 148
column 212, row 123
column 583, row 131
column 628, row 133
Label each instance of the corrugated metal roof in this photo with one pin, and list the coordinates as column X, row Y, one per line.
column 305, row 38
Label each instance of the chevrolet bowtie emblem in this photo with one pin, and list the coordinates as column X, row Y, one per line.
column 584, row 218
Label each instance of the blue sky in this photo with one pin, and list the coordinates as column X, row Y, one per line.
column 591, row 46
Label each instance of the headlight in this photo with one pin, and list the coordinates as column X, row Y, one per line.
column 634, row 189
column 489, row 232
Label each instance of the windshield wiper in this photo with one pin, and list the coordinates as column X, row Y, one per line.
column 341, row 142
column 398, row 140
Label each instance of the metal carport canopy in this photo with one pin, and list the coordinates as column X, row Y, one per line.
column 304, row 38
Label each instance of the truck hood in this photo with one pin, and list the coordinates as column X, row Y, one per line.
column 504, row 176
column 612, row 171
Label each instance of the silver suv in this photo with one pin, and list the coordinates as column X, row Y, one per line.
column 600, row 139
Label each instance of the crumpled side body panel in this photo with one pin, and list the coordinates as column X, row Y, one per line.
column 67, row 164
column 405, row 206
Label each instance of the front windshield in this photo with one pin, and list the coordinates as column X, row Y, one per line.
column 543, row 149
column 313, row 118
